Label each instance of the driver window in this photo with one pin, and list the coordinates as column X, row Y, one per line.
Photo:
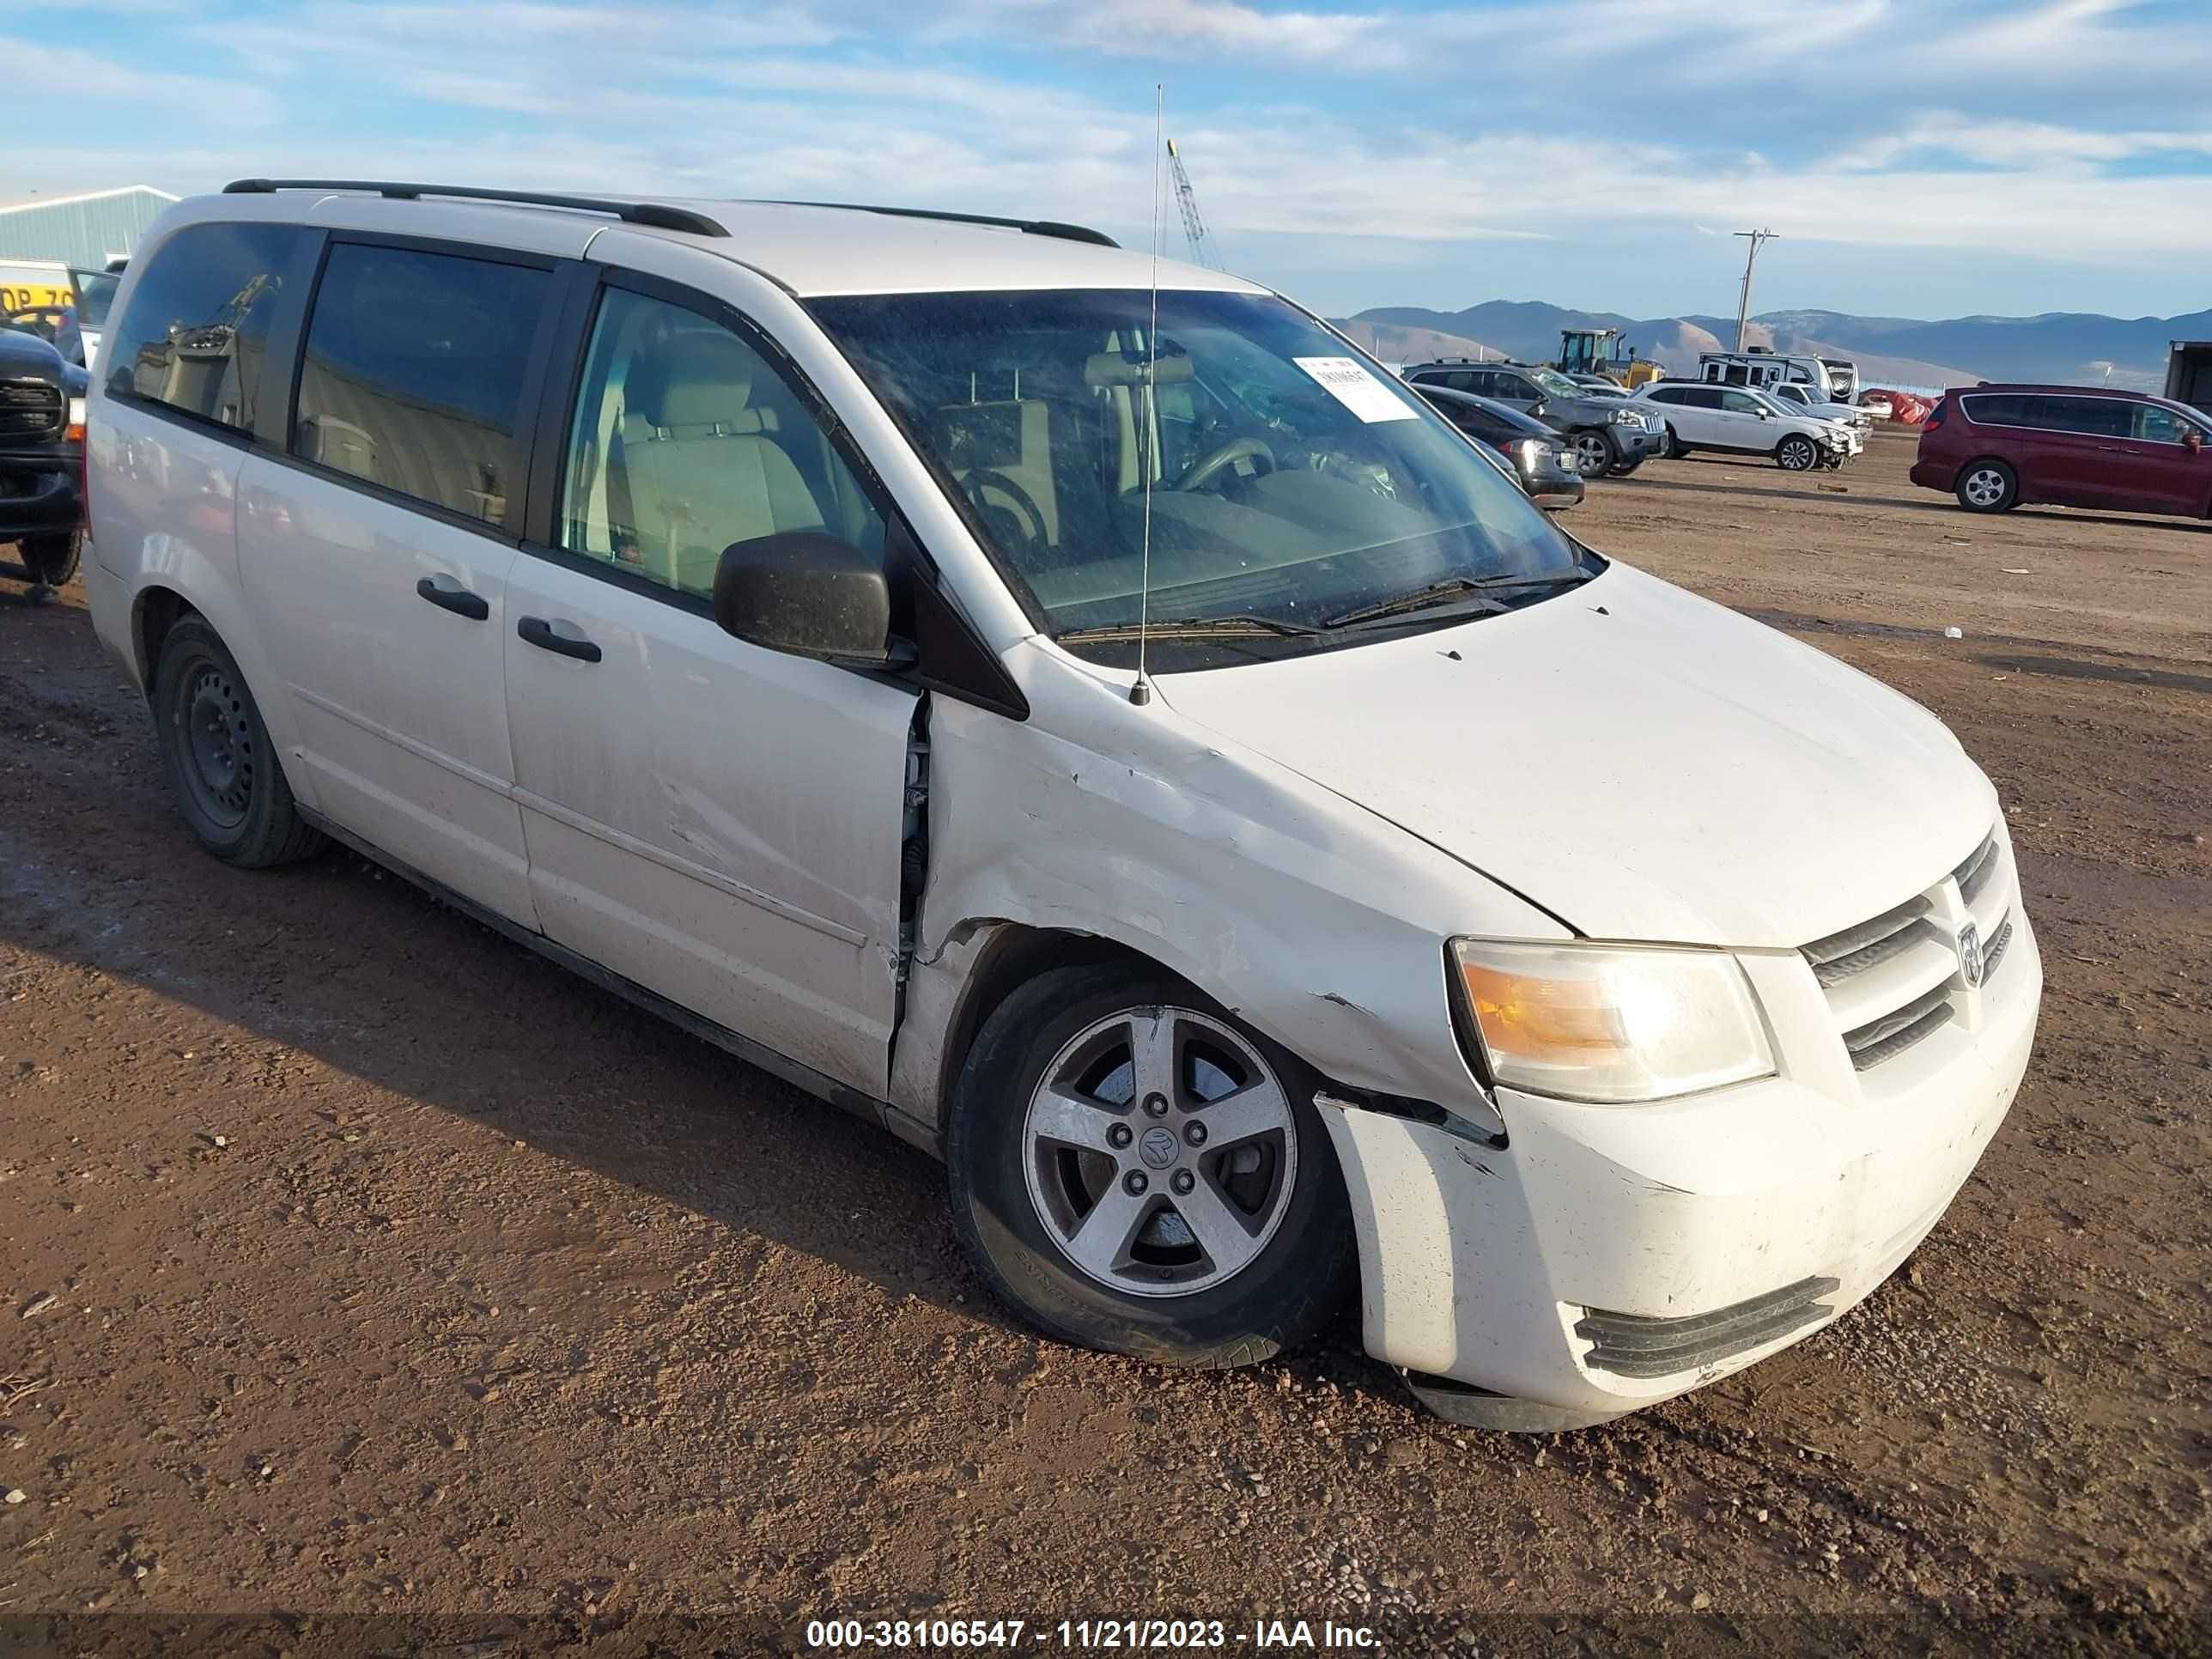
column 2159, row 426
column 684, row 441
column 1740, row 403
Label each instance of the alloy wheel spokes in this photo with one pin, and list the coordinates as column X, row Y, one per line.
column 1160, row 1150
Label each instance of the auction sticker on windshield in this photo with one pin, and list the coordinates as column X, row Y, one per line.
column 1350, row 384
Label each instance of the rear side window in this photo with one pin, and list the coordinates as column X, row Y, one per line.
column 413, row 372
column 199, row 319
column 2100, row 417
column 1999, row 408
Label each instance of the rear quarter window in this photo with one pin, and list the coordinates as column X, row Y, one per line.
column 1997, row 409
column 198, row 322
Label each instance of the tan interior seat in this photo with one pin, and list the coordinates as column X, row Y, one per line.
column 701, row 467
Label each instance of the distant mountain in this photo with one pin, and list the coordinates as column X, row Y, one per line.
column 2058, row 346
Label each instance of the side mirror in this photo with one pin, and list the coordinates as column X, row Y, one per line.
column 808, row 594
column 1536, row 411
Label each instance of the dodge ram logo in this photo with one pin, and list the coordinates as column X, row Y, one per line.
column 1970, row 955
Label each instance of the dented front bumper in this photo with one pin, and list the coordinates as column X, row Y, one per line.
column 1570, row 1267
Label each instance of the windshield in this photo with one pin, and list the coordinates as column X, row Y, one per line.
column 95, row 292
column 1291, row 483
column 1555, row 384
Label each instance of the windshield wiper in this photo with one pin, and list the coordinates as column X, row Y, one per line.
column 1452, row 587
column 1192, row 627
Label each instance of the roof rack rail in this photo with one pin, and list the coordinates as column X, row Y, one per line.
column 655, row 213
column 1034, row 227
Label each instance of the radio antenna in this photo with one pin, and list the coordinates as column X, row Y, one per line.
column 1140, row 690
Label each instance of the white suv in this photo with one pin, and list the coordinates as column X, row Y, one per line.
column 1167, row 773
column 1737, row 420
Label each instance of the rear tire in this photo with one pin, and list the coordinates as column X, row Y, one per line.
column 52, row 559
column 1796, row 454
column 223, row 770
column 1676, row 449
column 1218, row 1247
column 1988, row 486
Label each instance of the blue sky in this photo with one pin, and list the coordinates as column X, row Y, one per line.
column 1921, row 157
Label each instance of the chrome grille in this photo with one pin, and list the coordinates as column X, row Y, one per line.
column 1893, row 981
column 1974, row 874
column 30, row 409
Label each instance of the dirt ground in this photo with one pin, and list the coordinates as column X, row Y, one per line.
column 358, row 1264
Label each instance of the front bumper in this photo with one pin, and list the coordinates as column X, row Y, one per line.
column 1529, row 1270
column 1637, row 444
column 38, row 494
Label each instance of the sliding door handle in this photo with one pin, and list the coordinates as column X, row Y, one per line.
column 539, row 632
column 455, row 599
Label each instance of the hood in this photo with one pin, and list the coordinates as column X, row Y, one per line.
column 1641, row 762
column 25, row 357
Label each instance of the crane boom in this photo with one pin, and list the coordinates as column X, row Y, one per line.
column 1194, row 228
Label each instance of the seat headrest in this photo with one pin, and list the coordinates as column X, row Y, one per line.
column 698, row 379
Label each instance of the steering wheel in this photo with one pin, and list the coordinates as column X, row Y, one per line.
column 1218, row 460
column 972, row 486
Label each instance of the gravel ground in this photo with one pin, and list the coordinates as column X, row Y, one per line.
column 360, row 1264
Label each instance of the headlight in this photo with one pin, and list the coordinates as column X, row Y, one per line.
column 1611, row 1024
column 1626, row 417
column 77, row 415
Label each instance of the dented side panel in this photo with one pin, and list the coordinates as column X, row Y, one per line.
column 1310, row 918
column 720, row 823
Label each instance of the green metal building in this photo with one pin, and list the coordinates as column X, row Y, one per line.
column 80, row 230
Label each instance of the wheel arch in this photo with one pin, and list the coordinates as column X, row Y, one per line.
column 195, row 588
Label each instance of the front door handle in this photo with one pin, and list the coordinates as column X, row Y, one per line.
column 539, row 632
column 459, row 600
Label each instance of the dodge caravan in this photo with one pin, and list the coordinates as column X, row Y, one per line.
column 1120, row 739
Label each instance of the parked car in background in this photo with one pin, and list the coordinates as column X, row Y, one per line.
column 56, row 326
column 2001, row 447
column 95, row 292
column 1737, row 420
column 1543, row 460
column 1877, row 406
column 1795, row 397
column 42, row 403
column 1609, row 435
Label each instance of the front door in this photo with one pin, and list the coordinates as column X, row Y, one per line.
column 720, row 823
column 374, row 557
column 2154, row 469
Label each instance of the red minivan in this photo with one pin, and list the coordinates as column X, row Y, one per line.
column 1996, row 447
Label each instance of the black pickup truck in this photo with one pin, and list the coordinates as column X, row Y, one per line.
column 41, row 459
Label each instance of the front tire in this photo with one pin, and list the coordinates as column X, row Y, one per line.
column 1596, row 453
column 52, row 560
column 1676, row 449
column 1796, row 454
column 223, row 770
column 1988, row 486
column 1133, row 1171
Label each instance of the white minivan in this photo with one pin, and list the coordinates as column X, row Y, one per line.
column 1159, row 766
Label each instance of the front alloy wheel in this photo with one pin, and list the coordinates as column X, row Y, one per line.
column 1159, row 1152
column 1797, row 454
column 1594, row 454
column 1132, row 1169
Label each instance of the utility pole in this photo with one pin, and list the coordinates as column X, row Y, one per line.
column 1743, row 305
